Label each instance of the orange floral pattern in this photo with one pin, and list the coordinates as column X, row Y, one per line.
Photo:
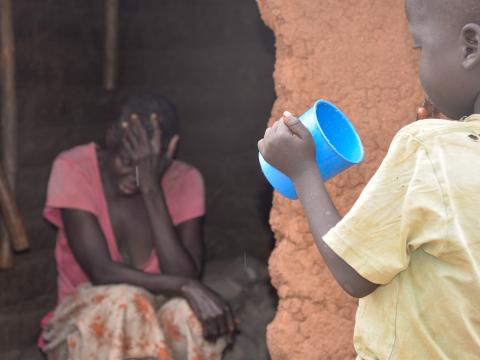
column 97, row 326
column 97, row 299
column 171, row 329
column 120, row 322
column 143, row 306
column 163, row 352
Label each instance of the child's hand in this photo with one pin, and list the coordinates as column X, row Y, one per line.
column 288, row 146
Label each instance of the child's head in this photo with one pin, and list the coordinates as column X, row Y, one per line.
column 448, row 34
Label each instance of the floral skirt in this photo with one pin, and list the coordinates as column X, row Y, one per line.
column 119, row 322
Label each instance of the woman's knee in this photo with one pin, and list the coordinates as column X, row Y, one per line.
column 123, row 290
column 177, row 311
column 126, row 298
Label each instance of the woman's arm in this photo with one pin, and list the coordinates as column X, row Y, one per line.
column 173, row 251
column 146, row 154
column 89, row 247
column 191, row 235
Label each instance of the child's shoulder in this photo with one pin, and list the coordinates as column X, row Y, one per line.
column 429, row 129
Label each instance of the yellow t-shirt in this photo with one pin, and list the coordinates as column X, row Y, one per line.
column 415, row 230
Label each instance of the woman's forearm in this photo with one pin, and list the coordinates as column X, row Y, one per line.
column 172, row 254
column 110, row 272
column 322, row 216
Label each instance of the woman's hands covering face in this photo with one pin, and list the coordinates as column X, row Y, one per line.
column 148, row 157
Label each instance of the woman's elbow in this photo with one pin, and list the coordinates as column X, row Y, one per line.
column 192, row 273
column 103, row 274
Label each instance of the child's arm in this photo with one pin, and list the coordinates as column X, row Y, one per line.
column 322, row 216
column 289, row 147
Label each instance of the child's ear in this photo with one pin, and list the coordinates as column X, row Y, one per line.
column 471, row 45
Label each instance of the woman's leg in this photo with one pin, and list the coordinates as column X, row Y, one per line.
column 106, row 322
column 183, row 333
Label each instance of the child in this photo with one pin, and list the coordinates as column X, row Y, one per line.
column 410, row 246
column 129, row 247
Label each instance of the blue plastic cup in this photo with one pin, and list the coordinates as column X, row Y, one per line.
column 338, row 146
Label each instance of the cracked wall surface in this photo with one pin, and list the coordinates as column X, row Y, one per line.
column 356, row 53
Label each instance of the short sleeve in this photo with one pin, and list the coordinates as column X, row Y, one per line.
column 400, row 210
column 187, row 201
column 68, row 187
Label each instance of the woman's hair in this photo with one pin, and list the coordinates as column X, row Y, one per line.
column 143, row 106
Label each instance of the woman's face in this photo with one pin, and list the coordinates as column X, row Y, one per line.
column 123, row 170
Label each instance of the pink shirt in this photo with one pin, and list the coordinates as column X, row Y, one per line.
column 75, row 183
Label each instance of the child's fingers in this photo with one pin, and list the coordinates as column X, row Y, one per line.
column 261, row 146
column 275, row 126
column 283, row 128
column 267, row 132
column 295, row 125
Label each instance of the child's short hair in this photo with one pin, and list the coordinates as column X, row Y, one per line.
column 462, row 11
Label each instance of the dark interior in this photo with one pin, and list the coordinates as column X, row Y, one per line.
column 214, row 59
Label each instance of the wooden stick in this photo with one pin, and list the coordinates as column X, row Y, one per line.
column 111, row 44
column 13, row 223
column 11, row 216
column 6, row 256
column 8, row 112
column 9, row 107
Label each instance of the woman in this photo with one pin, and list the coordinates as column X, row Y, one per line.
column 129, row 247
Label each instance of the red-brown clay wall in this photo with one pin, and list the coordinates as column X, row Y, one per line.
column 356, row 53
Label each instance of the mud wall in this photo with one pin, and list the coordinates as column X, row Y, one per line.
column 357, row 54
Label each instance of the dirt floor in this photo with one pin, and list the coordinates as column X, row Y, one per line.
column 357, row 54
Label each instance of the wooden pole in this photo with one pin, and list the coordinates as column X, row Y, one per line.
column 8, row 110
column 6, row 256
column 9, row 106
column 11, row 216
column 111, row 44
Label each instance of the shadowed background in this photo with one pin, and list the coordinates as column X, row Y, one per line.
column 213, row 58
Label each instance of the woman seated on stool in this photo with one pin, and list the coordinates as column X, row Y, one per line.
column 129, row 248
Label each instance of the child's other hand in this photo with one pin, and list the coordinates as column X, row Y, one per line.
column 288, row 146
